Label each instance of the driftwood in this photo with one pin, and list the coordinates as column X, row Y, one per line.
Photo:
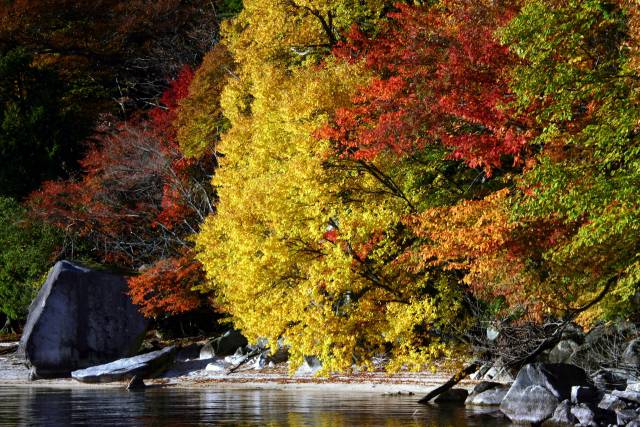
column 244, row 361
column 459, row 376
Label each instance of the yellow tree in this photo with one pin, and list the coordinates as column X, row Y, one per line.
column 306, row 246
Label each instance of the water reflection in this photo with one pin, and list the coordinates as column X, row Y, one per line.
column 172, row 407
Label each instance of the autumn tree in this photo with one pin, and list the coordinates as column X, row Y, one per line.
column 441, row 80
column 579, row 84
column 304, row 245
column 136, row 204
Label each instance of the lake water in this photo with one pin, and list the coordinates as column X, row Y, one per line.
column 35, row 406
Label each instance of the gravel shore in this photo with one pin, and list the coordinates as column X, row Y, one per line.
column 14, row 373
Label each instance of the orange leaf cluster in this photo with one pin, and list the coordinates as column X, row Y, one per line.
column 166, row 287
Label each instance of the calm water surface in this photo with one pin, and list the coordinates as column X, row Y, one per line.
column 24, row 406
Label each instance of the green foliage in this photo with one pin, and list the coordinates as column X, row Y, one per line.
column 576, row 82
column 39, row 130
column 27, row 249
column 228, row 8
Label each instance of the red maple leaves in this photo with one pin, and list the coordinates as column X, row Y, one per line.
column 441, row 77
column 136, row 202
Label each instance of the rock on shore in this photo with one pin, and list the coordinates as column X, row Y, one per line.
column 80, row 318
column 144, row 365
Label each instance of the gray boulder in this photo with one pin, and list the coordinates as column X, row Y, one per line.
column 562, row 416
column 144, row 365
column 608, row 380
column 310, row 366
column 633, row 386
column 498, row 373
column 612, row 403
column 584, row 414
column 538, row 389
column 593, row 416
column 532, row 404
column 80, row 318
column 487, row 394
column 224, row 345
column 626, row 416
column 631, row 355
column 631, row 396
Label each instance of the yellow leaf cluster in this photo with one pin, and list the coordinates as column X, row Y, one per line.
column 199, row 119
column 304, row 246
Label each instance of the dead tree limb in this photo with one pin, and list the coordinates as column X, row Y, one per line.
column 545, row 344
column 244, row 361
column 459, row 376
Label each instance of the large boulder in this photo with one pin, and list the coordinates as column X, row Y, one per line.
column 538, row 389
column 562, row 416
column 533, row 404
column 80, row 318
column 144, row 366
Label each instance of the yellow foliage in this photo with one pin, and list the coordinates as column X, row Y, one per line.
column 305, row 246
column 286, row 30
column 199, row 120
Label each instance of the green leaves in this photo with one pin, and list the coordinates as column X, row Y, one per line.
column 27, row 248
column 576, row 84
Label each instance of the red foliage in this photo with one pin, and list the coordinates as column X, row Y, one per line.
column 441, row 77
column 166, row 287
column 137, row 201
column 163, row 117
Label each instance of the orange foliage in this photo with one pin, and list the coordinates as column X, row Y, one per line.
column 166, row 287
column 498, row 257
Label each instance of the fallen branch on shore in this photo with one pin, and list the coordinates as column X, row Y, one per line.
column 545, row 344
column 247, row 357
column 459, row 376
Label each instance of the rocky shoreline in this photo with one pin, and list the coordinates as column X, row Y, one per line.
column 13, row 372
column 541, row 394
column 72, row 339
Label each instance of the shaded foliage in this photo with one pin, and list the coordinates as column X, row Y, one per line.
column 27, row 248
column 40, row 125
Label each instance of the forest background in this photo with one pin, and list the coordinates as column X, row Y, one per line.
column 351, row 177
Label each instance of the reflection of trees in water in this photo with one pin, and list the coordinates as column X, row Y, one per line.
column 219, row 406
